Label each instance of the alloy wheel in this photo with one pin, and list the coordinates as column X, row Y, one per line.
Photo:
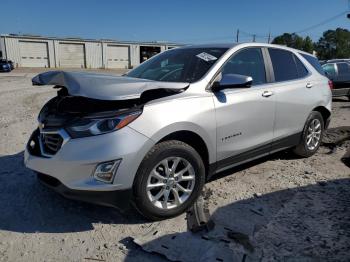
column 313, row 137
column 170, row 183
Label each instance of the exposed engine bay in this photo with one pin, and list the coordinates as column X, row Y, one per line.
column 63, row 110
column 87, row 95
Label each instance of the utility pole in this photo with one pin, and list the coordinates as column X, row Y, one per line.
column 254, row 36
column 237, row 36
column 269, row 38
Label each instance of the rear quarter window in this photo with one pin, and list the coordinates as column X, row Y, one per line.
column 314, row 62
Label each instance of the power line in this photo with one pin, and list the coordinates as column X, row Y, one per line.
column 300, row 31
column 321, row 23
column 240, row 33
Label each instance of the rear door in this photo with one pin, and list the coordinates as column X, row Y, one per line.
column 244, row 116
column 295, row 92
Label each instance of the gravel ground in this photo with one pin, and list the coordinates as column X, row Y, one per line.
column 289, row 208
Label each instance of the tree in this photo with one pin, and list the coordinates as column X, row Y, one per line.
column 308, row 45
column 294, row 41
column 334, row 44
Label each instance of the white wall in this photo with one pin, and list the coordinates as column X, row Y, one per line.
column 95, row 52
column 2, row 48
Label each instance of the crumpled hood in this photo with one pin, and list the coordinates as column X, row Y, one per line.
column 103, row 87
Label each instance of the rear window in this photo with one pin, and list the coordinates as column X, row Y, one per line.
column 314, row 62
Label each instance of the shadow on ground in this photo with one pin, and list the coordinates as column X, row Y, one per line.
column 310, row 223
column 27, row 206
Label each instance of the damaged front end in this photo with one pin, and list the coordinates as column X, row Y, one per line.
column 91, row 104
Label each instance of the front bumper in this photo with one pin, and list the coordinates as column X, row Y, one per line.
column 119, row 199
column 74, row 164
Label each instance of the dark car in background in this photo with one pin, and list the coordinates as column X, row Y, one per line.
column 339, row 73
column 11, row 64
column 5, row 65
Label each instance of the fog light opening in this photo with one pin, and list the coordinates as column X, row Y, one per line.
column 105, row 171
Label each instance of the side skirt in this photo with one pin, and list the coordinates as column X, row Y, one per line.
column 254, row 153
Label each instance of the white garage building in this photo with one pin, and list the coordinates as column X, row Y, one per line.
column 37, row 51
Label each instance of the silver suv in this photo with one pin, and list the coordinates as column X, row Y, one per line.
column 154, row 136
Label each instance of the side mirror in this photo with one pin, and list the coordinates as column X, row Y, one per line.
column 232, row 81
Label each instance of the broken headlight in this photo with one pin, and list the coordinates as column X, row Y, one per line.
column 93, row 127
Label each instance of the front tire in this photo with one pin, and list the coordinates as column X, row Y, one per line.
column 169, row 180
column 311, row 136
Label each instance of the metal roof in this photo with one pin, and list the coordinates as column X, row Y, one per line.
column 30, row 36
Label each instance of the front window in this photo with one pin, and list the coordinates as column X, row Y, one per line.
column 179, row 65
column 248, row 62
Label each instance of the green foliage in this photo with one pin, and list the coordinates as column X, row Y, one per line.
column 334, row 44
column 308, row 45
column 294, row 41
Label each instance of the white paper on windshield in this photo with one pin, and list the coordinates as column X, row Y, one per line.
column 206, row 57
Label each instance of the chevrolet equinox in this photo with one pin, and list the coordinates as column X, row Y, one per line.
column 154, row 136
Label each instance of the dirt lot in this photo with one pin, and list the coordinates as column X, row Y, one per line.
column 279, row 208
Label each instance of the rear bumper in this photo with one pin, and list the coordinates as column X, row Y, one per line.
column 119, row 198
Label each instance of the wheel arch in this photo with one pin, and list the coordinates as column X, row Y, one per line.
column 193, row 139
column 324, row 112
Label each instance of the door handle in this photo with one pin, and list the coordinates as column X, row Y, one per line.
column 308, row 85
column 267, row 93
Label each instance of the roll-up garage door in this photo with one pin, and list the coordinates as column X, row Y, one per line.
column 33, row 54
column 71, row 55
column 117, row 56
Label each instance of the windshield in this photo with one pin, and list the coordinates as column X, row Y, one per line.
column 179, row 65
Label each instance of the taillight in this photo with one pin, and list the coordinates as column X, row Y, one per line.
column 330, row 84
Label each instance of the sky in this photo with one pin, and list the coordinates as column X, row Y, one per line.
column 176, row 21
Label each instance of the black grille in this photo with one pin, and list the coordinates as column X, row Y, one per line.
column 48, row 180
column 33, row 143
column 51, row 143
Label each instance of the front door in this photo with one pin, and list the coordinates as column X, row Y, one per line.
column 244, row 116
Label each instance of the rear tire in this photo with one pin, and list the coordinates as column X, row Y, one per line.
column 169, row 180
column 312, row 135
